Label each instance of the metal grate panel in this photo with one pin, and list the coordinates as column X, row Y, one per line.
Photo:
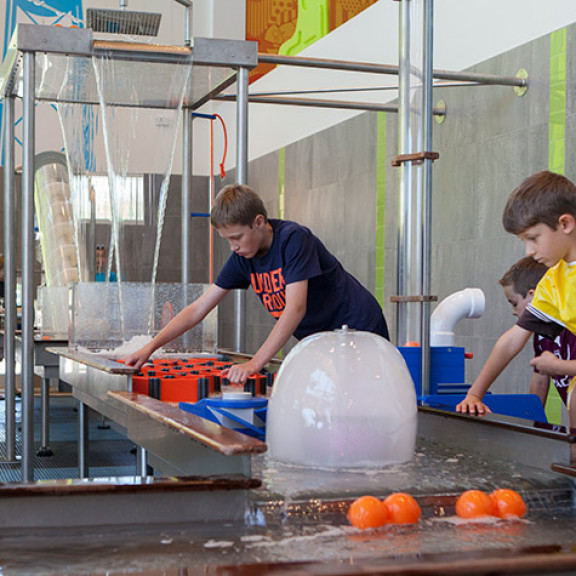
column 123, row 22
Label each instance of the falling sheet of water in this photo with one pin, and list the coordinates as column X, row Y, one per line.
column 122, row 142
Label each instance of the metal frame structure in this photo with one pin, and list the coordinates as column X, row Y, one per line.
column 18, row 70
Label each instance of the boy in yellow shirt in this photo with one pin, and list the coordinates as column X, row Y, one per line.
column 542, row 213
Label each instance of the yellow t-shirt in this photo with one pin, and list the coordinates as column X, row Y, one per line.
column 555, row 295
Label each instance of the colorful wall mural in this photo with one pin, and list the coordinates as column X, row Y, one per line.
column 289, row 26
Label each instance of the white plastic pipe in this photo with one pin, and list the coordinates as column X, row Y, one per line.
column 467, row 303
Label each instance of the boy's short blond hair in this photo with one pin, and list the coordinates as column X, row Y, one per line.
column 541, row 199
column 237, row 204
column 523, row 276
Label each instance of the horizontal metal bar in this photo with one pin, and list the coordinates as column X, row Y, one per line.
column 326, row 63
column 373, row 68
column 313, row 102
column 317, row 103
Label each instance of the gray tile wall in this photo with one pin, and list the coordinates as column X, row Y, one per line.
column 490, row 141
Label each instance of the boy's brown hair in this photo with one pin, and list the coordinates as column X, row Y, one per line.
column 237, row 204
column 523, row 276
column 541, row 199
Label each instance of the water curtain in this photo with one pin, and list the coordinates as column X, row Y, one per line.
column 128, row 149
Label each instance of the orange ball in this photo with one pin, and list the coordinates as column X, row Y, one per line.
column 403, row 508
column 368, row 512
column 508, row 503
column 475, row 504
column 412, row 344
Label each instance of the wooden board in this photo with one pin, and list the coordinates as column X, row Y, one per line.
column 211, row 435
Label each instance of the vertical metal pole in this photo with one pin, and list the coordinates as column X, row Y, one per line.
column 10, row 249
column 189, row 40
column 242, row 178
column 405, row 177
column 92, row 245
column 28, row 102
column 83, row 440
column 142, row 462
column 427, row 118
column 186, row 190
column 45, row 419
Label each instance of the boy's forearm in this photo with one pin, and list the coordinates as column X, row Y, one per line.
column 506, row 348
column 285, row 326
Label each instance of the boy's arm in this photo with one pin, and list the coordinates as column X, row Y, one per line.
column 507, row 346
column 185, row 320
column 296, row 298
column 539, row 385
column 550, row 365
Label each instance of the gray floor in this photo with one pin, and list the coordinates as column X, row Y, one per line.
column 110, row 453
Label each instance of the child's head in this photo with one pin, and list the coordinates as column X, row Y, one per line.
column 541, row 199
column 520, row 281
column 237, row 204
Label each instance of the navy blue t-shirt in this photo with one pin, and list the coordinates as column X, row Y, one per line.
column 335, row 297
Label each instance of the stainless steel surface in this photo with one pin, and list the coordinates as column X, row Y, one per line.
column 168, row 450
column 28, row 139
column 173, row 454
column 10, row 208
column 91, row 385
column 497, row 437
column 124, row 508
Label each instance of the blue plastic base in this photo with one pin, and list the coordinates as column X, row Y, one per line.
column 209, row 407
column 526, row 406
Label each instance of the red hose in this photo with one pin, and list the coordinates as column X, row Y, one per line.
column 222, row 171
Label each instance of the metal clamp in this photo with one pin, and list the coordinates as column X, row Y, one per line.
column 416, row 158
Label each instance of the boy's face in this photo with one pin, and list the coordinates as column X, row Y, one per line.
column 547, row 245
column 247, row 241
column 517, row 301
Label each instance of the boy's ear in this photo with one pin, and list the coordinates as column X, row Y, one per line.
column 567, row 223
column 259, row 220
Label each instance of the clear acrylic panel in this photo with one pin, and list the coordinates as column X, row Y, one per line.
column 105, row 317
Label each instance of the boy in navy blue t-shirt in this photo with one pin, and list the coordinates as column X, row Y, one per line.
column 298, row 281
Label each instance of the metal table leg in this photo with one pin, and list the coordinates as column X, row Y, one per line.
column 83, row 433
column 142, row 462
column 45, row 449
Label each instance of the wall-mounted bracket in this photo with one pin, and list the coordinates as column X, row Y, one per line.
column 416, row 158
column 521, row 90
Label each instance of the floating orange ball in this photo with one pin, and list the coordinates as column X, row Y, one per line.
column 368, row 512
column 475, row 504
column 403, row 508
column 508, row 503
column 412, row 344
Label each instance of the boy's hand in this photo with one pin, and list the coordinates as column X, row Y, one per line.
column 239, row 373
column 137, row 359
column 472, row 404
column 546, row 363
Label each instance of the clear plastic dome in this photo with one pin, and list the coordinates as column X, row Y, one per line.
column 342, row 399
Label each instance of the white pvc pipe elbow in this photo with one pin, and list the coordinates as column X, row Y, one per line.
column 467, row 303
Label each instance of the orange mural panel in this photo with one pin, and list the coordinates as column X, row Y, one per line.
column 273, row 22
